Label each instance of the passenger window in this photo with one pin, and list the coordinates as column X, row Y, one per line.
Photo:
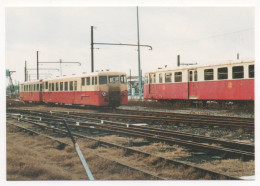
column 168, row 77
column 95, row 80
column 146, row 79
column 38, row 87
column 82, row 81
column 178, row 76
column 57, row 86
column 123, row 79
column 46, row 85
column 66, row 86
column 102, row 80
column 71, row 85
column 238, row 72
column 41, row 87
column 92, row 81
column 195, row 75
column 160, row 78
column 52, row 86
column 88, row 80
column 223, row 73
column 61, row 86
column 208, row 74
column 152, row 78
column 251, row 71
column 75, row 85
column 190, row 76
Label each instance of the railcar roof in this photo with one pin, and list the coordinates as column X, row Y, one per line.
column 201, row 66
column 77, row 76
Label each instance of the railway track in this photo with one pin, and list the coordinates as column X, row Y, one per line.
column 172, row 118
column 223, row 148
column 203, row 172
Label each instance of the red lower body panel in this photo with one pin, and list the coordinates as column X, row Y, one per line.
column 207, row 90
column 166, row 91
column 81, row 98
column 31, row 96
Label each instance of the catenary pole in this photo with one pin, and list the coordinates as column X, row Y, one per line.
column 139, row 63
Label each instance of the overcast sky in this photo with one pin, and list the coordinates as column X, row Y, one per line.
column 204, row 35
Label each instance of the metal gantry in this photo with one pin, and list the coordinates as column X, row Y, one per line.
column 60, row 62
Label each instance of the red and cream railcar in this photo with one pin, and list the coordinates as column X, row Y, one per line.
column 31, row 91
column 98, row 89
column 232, row 81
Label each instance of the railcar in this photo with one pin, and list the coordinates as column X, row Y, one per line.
column 227, row 82
column 31, row 91
column 97, row 89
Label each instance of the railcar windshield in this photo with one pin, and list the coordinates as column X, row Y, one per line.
column 102, row 80
column 113, row 79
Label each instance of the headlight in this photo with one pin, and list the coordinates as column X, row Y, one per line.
column 104, row 94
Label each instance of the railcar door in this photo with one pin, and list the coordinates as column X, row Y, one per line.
column 192, row 84
column 152, row 86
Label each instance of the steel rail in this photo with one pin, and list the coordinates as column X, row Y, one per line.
column 216, row 175
column 155, row 136
column 104, row 157
column 181, row 135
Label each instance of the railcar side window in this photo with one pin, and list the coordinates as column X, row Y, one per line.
column 46, row 85
column 113, row 79
column 190, row 75
column 61, row 86
column 82, row 81
column 102, row 80
column 178, row 76
column 146, row 79
column 123, row 79
column 95, row 80
column 57, row 86
column 52, row 87
column 66, row 86
column 168, row 77
column 208, row 74
column 38, row 87
column 251, row 71
column 160, row 78
column 92, row 81
column 238, row 72
column 195, row 75
column 75, row 85
column 223, row 73
column 152, row 78
column 71, row 85
column 88, row 81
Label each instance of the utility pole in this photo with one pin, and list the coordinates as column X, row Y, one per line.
column 139, row 63
column 130, row 84
column 37, row 65
column 120, row 44
column 60, row 68
column 25, row 71
column 92, row 50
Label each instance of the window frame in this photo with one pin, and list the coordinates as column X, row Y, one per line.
column 207, row 75
column 236, row 73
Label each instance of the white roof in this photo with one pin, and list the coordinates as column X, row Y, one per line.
column 201, row 66
column 77, row 76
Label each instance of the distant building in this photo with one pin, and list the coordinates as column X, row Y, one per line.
column 133, row 85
